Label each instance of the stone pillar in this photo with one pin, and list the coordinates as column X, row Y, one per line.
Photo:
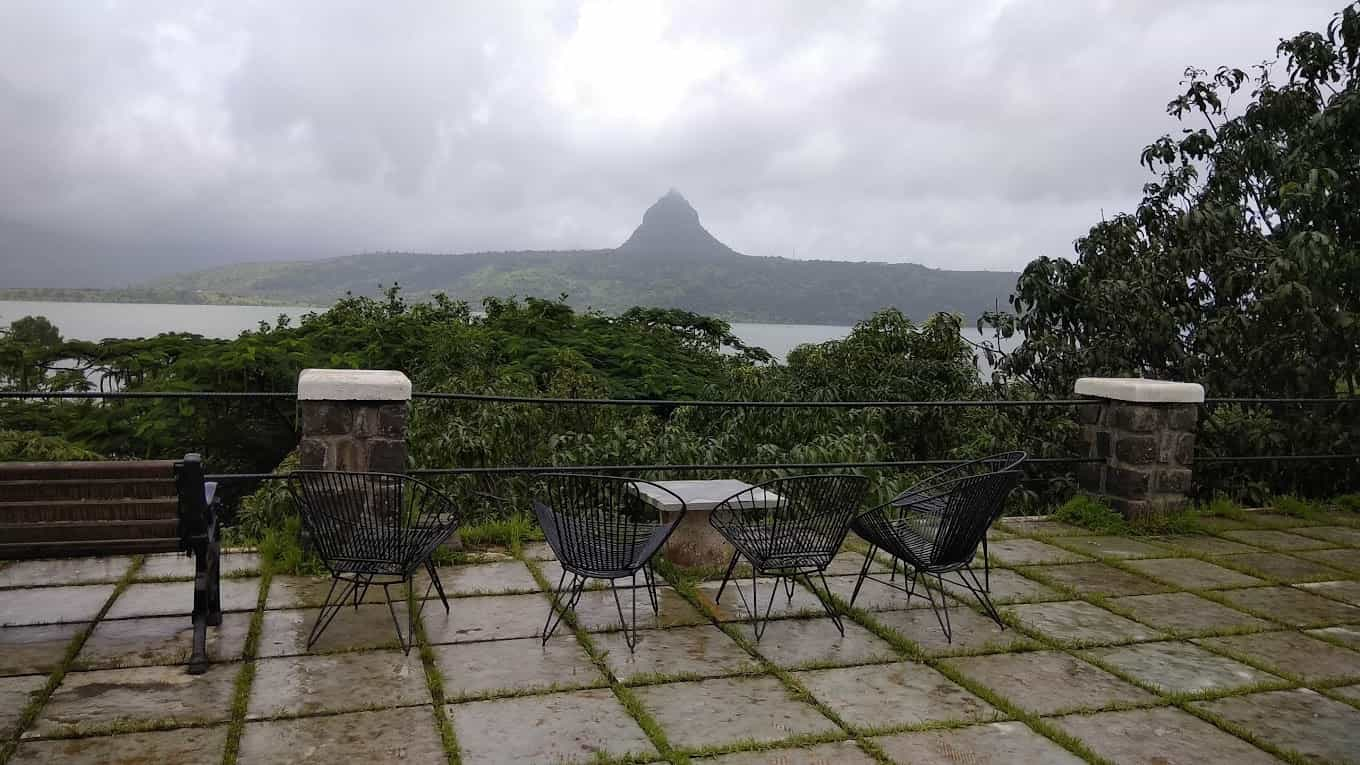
column 353, row 420
column 1144, row 431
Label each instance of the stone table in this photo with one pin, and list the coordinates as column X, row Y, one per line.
column 695, row 542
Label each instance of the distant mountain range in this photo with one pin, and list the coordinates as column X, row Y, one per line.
column 670, row 261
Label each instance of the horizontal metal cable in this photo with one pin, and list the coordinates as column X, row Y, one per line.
column 140, row 394
column 751, row 404
column 1310, row 401
column 1278, row 458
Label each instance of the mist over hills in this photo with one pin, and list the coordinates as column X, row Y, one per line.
column 670, row 261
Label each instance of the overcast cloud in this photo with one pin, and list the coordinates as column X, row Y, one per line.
column 142, row 137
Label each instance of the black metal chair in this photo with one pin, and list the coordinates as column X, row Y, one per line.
column 372, row 528
column 936, row 527
column 788, row 528
column 601, row 527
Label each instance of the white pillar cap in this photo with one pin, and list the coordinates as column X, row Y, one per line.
column 1139, row 390
column 353, row 385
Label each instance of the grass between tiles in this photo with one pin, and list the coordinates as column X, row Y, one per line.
column 245, row 677
column 434, row 681
column 38, row 700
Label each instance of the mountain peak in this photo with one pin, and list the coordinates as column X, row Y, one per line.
column 671, row 229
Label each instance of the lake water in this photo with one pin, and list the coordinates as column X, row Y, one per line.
column 97, row 321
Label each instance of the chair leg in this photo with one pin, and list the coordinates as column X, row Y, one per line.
column 330, row 608
column 433, row 571
column 983, row 597
column 557, row 609
column 892, row 576
column 630, row 633
column 788, row 588
column 758, row 623
column 942, row 608
column 986, row 566
column 864, row 572
column 826, row 602
column 413, row 611
column 731, row 566
column 651, row 588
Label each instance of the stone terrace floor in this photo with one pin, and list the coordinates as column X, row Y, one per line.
column 1236, row 646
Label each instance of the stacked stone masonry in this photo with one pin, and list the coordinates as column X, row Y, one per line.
column 354, row 436
column 1147, row 450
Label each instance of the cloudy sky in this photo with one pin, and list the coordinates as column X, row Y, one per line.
column 140, row 137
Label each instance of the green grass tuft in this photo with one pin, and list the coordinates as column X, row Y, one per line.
column 1090, row 513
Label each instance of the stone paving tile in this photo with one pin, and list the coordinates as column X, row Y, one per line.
column 490, row 617
column 552, row 573
column 873, row 595
column 1186, row 612
column 1291, row 653
column 849, row 564
column 1019, row 552
column 1204, row 544
column 171, row 598
column 845, row 752
column 598, row 612
column 729, row 710
column 1050, row 682
column 1041, row 527
column 15, row 693
column 702, row 651
column 107, row 698
column 160, row 640
column 998, row 743
column 1217, row 524
column 165, row 746
column 35, row 649
column 730, row 608
column 1074, row 621
column 560, row 727
column 1114, row 547
column 285, row 632
column 893, row 695
column 1179, row 667
column 1007, row 587
column 1296, row 607
column 1276, row 540
column 972, row 632
column 474, row 669
column 389, row 735
column 798, row 642
column 1281, row 567
column 168, row 565
column 41, row 573
column 1192, row 573
column 310, row 592
column 1348, row 636
column 1097, row 579
column 537, row 551
column 1301, row 720
column 1338, row 535
column 337, row 682
column 1347, row 590
column 499, row 578
column 1346, row 559
column 1351, row 692
column 1279, row 520
column 53, row 605
column 1163, row 736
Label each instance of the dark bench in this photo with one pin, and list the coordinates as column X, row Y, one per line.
column 66, row 509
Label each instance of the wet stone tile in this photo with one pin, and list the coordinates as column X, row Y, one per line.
column 1296, row 607
column 839, row 753
column 538, row 551
column 1301, row 720
column 35, row 649
column 1114, row 547
column 1275, row 540
column 1345, row 559
column 1205, row 544
column 1348, row 536
column 552, row 574
column 59, row 571
column 1279, row 520
column 1292, row 653
column 598, row 612
column 804, row 603
column 728, row 710
column 999, row 743
column 492, row 617
column 561, row 727
column 15, row 693
column 1165, row 736
column 1347, row 590
column 1041, row 527
column 798, row 642
column 891, row 695
column 1179, row 667
column 1192, row 573
column 972, row 632
column 284, row 633
column 389, row 735
column 1007, row 586
column 166, row 746
column 1049, row 682
column 501, row 578
column 101, row 699
column 700, row 651
column 1187, row 613
column 1019, row 552
column 1096, row 579
column 873, row 595
column 849, row 564
column 52, row 605
column 1347, row 636
column 1351, row 692
column 311, row 591
column 307, row 685
column 174, row 565
column 1219, row 524
column 160, row 640
column 171, row 598
column 1281, row 567
column 1078, row 622
column 491, row 668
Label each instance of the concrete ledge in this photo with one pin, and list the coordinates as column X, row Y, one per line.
column 1140, row 391
column 353, row 385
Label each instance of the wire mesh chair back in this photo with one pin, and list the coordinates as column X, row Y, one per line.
column 795, row 523
column 371, row 523
column 600, row 525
